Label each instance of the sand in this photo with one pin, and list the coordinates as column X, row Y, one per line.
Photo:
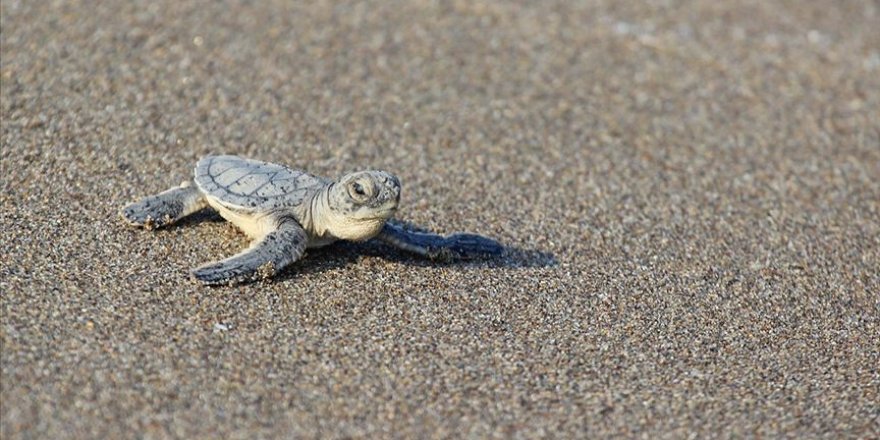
column 690, row 193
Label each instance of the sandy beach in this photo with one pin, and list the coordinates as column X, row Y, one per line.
column 689, row 193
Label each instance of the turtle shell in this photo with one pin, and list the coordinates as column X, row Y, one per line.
column 252, row 185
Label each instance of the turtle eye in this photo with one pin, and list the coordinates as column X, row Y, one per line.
column 358, row 189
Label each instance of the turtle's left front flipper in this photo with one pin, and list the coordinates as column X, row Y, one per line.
column 453, row 247
column 262, row 260
column 166, row 207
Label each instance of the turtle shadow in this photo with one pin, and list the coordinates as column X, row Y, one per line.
column 345, row 253
column 203, row 216
column 342, row 254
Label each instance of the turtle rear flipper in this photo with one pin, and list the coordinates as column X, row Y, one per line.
column 266, row 257
column 166, row 207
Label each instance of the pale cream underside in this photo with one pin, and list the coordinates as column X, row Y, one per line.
column 256, row 226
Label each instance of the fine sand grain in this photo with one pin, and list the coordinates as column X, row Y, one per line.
column 690, row 191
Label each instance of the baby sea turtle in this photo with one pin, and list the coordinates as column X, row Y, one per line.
column 286, row 211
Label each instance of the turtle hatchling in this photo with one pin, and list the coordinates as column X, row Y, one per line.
column 284, row 211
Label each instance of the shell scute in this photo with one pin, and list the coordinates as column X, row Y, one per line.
column 242, row 183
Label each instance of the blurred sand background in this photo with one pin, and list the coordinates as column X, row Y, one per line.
column 690, row 190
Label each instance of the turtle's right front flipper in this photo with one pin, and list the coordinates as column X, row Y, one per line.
column 453, row 247
column 262, row 260
column 166, row 207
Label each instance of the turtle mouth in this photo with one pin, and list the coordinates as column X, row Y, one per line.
column 385, row 213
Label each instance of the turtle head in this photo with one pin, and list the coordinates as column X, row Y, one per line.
column 361, row 202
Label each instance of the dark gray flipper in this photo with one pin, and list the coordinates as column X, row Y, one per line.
column 166, row 207
column 436, row 247
column 262, row 260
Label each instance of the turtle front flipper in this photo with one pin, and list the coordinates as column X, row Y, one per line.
column 166, row 207
column 266, row 257
column 453, row 247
